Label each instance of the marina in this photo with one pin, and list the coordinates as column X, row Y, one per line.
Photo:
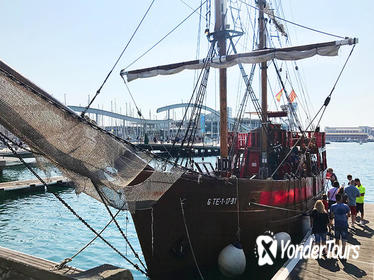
column 213, row 165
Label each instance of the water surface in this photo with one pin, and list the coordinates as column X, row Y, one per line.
column 40, row 225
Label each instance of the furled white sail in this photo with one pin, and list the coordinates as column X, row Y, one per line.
column 258, row 56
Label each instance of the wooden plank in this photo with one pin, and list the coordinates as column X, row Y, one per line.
column 361, row 268
column 17, row 265
column 16, row 185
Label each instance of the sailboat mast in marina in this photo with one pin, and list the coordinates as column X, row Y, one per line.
column 188, row 217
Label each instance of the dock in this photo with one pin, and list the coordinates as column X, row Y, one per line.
column 5, row 153
column 9, row 162
column 337, row 269
column 33, row 186
column 17, row 265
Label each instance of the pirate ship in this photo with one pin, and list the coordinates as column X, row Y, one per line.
column 184, row 215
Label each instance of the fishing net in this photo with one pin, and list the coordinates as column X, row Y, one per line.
column 91, row 157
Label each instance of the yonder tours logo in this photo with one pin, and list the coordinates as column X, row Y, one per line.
column 271, row 246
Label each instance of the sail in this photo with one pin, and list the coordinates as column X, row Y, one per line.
column 91, row 157
column 258, row 56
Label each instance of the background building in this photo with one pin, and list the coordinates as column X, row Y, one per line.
column 349, row 134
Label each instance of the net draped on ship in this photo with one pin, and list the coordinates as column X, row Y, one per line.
column 93, row 159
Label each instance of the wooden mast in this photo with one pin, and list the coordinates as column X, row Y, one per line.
column 220, row 13
column 264, row 103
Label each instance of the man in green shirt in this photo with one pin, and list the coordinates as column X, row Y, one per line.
column 360, row 200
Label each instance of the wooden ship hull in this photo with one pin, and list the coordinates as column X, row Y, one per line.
column 211, row 210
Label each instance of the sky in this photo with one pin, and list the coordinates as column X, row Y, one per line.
column 68, row 47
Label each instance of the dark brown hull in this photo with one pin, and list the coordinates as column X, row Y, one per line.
column 211, row 215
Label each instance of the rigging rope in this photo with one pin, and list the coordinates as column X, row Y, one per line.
column 305, row 95
column 118, row 59
column 294, row 23
column 324, row 106
column 22, row 147
column 274, row 207
column 287, row 79
column 202, row 72
column 158, row 42
column 3, row 139
column 292, row 109
column 141, row 116
column 94, row 126
column 189, row 239
column 118, row 227
column 67, row 260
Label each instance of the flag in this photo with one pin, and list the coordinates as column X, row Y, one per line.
column 292, row 96
column 279, row 95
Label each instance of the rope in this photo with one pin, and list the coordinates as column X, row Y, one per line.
column 296, row 120
column 294, row 23
column 152, row 231
column 327, row 101
column 324, row 106
column 118, row 59
column 127, row 221
column 141, row 116
column 118, row 227
column 158, row 42
column 192, row 8
column 20, row 146
column 189, row 240
column 190, row 123
column 237, row 208
column 2, row 138
column 44, row 96
column 67, row 260
column 275, row 207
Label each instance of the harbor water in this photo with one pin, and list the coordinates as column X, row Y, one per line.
column 40, row 225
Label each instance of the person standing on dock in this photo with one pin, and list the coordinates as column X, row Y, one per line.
column 360, row 200
column 331, row 176
column 340, row 212
column 331, row 194
column 349, row 178
column 352, row 192
column 319, row 221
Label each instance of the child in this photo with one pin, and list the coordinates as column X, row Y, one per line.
column 319, row 221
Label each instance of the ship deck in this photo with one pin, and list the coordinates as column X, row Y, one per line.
column 360, row 268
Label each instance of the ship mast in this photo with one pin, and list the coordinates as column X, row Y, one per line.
column 264, row 105
column 219, row 29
